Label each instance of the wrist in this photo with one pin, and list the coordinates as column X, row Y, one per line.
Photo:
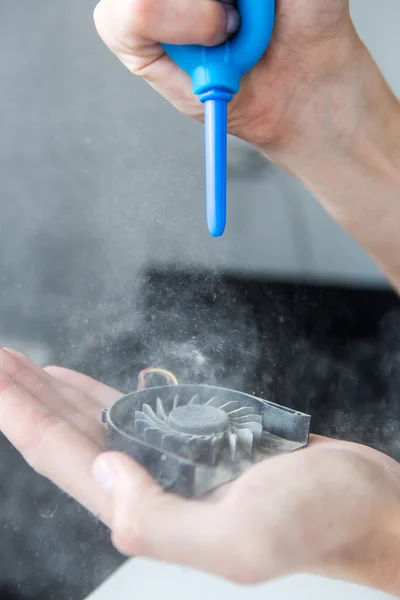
column 374, row 563
column 346, row 151
column 373, row 560
column 321, row 101
column 347, row 110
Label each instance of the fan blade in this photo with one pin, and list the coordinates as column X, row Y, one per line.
column 244, row 411
column 232, row 445
column 246, row 419
column 176, row 444
column 215, row 448
column 216, row 401
column 195, row 400
column 151, row 415
column 229, row 406
column 160, row 410
column 141, row 423
column 255, row 428
column 198, row 447
column 246, row 439
column 154, row 437
column 176, row 402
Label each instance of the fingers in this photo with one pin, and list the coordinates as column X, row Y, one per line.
column 125, row 25
column 64, row 401
column 147, row 521
column 51, row 445
column 51, row 436
column 38, row 398
column 100, row 392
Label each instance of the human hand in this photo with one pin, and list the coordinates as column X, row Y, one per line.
column 53, row 417
column 331, row 509
column 312, row 40
column 316, row 104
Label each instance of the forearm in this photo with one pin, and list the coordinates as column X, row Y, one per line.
column 348, row 155
column 373, row 558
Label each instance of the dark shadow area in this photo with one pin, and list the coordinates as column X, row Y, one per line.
column 332, row 352
column 51, row 548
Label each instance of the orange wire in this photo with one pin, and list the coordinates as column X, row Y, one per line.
column 149, row 370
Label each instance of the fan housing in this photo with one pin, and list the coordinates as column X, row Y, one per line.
column 193, row 438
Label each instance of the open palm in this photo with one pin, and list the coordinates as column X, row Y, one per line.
column 299, row 511
column 53, row 417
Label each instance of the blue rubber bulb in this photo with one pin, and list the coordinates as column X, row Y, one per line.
column 216, row 74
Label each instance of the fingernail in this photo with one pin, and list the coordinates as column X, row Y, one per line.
column 232, row 20
column 104, row 475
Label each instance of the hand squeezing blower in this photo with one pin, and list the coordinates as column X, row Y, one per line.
column 216, row 74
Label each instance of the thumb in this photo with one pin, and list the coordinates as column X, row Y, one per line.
column 147, row 521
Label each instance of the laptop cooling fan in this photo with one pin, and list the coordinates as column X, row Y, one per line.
column 194, row 438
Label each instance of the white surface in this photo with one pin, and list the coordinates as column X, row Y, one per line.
column 141, row 579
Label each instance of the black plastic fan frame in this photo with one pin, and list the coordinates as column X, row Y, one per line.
column 191, row 450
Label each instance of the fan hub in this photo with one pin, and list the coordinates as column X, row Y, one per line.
column 197, row 419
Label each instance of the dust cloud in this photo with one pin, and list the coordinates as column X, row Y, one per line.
column 326, row 352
